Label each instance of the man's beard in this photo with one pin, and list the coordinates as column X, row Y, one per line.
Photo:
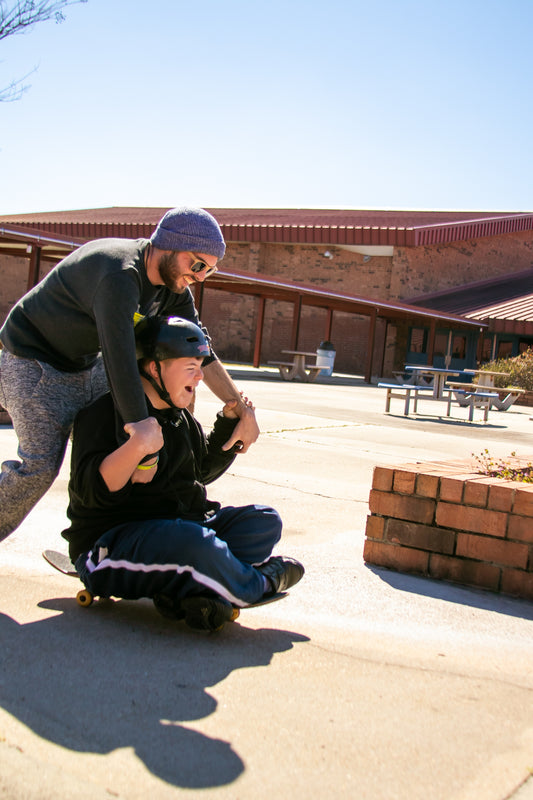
column 169, row 272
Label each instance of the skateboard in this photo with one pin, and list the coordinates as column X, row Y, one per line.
column 62, row 563
column 84, row 597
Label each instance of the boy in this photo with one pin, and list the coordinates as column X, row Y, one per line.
column 142, row 525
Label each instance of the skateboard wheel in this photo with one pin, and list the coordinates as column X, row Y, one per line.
column 235, row 614
column 84, row 598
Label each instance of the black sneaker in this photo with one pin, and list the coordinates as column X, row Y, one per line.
column 207, row 613
column 201, row 613
column 168, row 607
column 282, row 572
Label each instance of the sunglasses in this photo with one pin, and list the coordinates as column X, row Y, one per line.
column 199, row 266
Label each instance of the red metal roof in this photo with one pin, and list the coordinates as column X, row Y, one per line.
column 520, row 309
column 506, row 297
column 292, row 226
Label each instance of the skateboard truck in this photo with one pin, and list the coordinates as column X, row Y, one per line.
column 63, row 564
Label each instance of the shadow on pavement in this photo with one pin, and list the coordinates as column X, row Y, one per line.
column 258, row 374
column 118, row 676
column 451, row 593
column 450, row 421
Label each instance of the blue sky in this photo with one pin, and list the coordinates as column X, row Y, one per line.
column 290, row 103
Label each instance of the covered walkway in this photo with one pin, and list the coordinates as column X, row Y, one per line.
column 38, row 247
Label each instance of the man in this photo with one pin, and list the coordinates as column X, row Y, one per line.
column 50, row 366
column 163, row 538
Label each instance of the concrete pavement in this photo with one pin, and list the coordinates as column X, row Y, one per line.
column 362, row 683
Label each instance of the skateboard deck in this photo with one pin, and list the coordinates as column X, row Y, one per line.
column 265, row 600
column 63, row 564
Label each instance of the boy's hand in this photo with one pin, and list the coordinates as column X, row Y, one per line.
column 229, row 410
column 146, row 434
column 145, row 440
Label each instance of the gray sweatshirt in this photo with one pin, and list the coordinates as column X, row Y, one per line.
column 86, row 305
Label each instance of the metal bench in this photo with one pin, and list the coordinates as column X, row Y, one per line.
column 504, row 397
column 471, row 398
column 404, row 392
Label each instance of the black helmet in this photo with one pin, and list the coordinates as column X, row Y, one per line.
column 158, row 338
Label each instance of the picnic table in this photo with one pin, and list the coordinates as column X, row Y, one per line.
column 502, row 399
column 486, row 377
column 434, row 377
column 478, row 397
column 298, row 368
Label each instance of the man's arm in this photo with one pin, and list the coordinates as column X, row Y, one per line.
column 114, row 304
column 219, row 382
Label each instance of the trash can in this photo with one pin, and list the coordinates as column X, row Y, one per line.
column 325, row 357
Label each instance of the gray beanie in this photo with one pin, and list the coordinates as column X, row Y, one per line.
column 191, row 229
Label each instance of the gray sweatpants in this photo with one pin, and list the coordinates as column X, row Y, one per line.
column 42, row 403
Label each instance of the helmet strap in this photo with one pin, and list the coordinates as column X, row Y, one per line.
column 160, row 388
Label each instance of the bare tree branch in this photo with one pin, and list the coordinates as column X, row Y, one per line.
column 16, row 89
column 20, row 17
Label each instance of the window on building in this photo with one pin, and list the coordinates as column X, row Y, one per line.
column 459, row 347
column 525, row 344
column 485, row 351
column 441, row 344
column 418, row 343
column 505, row 350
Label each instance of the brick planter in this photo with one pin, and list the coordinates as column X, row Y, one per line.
column 443, row 520
column 5, row 419
column 525, row 399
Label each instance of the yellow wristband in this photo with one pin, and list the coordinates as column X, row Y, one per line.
column 148, row 466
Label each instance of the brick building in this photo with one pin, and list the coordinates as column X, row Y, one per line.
column 292, row 277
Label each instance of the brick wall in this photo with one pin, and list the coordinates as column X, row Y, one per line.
column 418, row 270
column 14, row 273
column 525, row 399
column 14, row 281
column 445, row 521
column 410, row 271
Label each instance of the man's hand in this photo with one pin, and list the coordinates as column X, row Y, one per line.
column 246, row 431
